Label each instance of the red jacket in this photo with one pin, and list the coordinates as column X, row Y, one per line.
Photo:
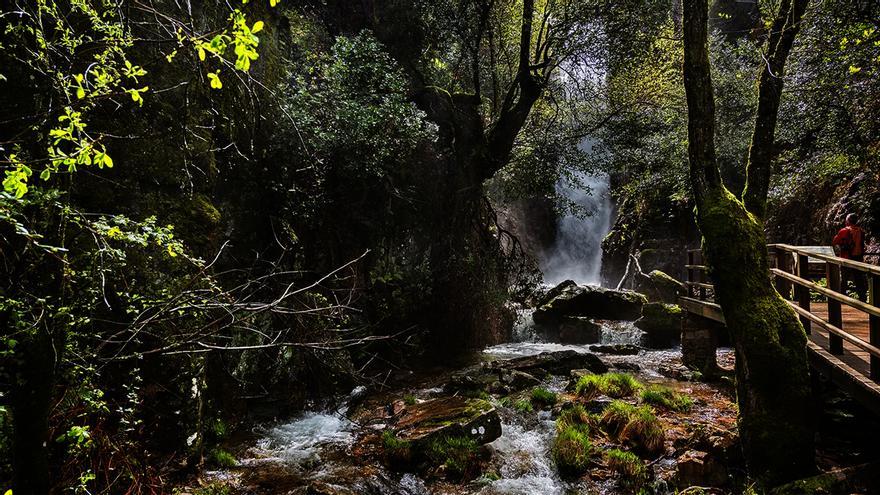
column 851, row 240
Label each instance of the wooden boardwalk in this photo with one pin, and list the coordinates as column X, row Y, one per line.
column 844, row 332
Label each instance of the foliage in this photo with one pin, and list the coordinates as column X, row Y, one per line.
column 636, row 426
column 458, row 454
column 523, row 406
column 627, row 465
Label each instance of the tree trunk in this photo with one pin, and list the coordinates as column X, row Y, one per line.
column 773, row 376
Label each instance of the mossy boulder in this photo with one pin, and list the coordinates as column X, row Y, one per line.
column 662, row 323
column 558, row 363
column 423, row 423
column 864, row 478
column 591, row 302
column 658, row 286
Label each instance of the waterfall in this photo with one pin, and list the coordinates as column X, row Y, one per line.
column 577, row 252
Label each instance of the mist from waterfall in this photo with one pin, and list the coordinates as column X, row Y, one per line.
column 577, row 252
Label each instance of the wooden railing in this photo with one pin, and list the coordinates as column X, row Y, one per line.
column 796, row 270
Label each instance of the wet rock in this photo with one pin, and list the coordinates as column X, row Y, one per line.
column 579, row 330
column 697, row 468
column 322, row 488
column 556, row 363
column 598, row 404
column 556, row 291
column 624, row 366
column 516, row 380
column 678, row 372
column 592, row 302
column 616, row 349
column 448, row 417
column 472, row 379
column 661, row 322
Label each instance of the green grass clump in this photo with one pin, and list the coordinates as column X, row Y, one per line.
column 574, row 417
column 456, row 453
column 571, row 451
column 666, row 398
column 543, row 396
column 615, row 385
column 398, row 451
column 223, row 459
column 637, row 427
column 409, row 400
column 626, row 464
column 523, row 406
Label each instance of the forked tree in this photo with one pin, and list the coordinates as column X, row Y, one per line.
column 772, row 374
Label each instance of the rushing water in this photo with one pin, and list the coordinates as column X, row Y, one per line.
column 577, row 252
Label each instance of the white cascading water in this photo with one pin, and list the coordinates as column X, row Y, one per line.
column 577, row 253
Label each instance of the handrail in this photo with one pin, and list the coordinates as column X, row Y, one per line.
column 856, row 265
column 849, row 301
column 835, row 330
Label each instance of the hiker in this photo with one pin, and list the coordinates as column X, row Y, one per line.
column 850, row 244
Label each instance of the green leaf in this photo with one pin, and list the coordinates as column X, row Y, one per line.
column 45, row 174
column 80, row 92
column 108, row 162
column 258, row 26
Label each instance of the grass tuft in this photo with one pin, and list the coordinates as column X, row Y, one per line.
column 543, row 396
column 617, row 385
column 574, row 417
column 571, row 451
column 523, row 406
column 637, row 427
column 223, row 459
column 627, row 465
column 666, row 398
column 456, row 453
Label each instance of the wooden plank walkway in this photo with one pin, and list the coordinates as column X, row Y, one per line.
column 841, row 345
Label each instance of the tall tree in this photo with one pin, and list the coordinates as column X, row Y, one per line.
column 773, row 381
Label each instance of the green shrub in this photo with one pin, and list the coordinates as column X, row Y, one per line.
column 523, row 406
column 543, row 396
column 456, row 453
column 626, row 464
column 666, row 398
column 615, row 385
column 571, row 451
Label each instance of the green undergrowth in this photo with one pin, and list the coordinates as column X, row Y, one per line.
column 543, row 396
column 523, row 406
column 575, row 417
column 221, row 458
column 397, row 451
column 635, row 426
column 616, row 385
column 665, row 397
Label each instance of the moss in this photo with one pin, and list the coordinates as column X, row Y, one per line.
column 457, row 453
column 571, row 451
column 666, row 398
column 223, row 459
column 398, row 452
column 615, row 385
column 409, row 399
column 543, row 396
column 627, row 465
column 523, row 406
column 635, row 426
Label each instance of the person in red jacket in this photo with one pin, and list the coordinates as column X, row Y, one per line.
column 850, row 244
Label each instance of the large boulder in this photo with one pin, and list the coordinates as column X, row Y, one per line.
column 590, row 301
column 661, row 322
column 422, row 423
column 556, row 363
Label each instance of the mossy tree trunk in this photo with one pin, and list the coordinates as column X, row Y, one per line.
column 773, row 381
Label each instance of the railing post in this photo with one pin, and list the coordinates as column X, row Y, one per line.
column 690, row 275
column 874, row 323
column 803, row 293
column 702, row 277
column 835, row 317
column 783, row 262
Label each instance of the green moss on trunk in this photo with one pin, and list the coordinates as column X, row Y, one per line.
column 773, row 378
